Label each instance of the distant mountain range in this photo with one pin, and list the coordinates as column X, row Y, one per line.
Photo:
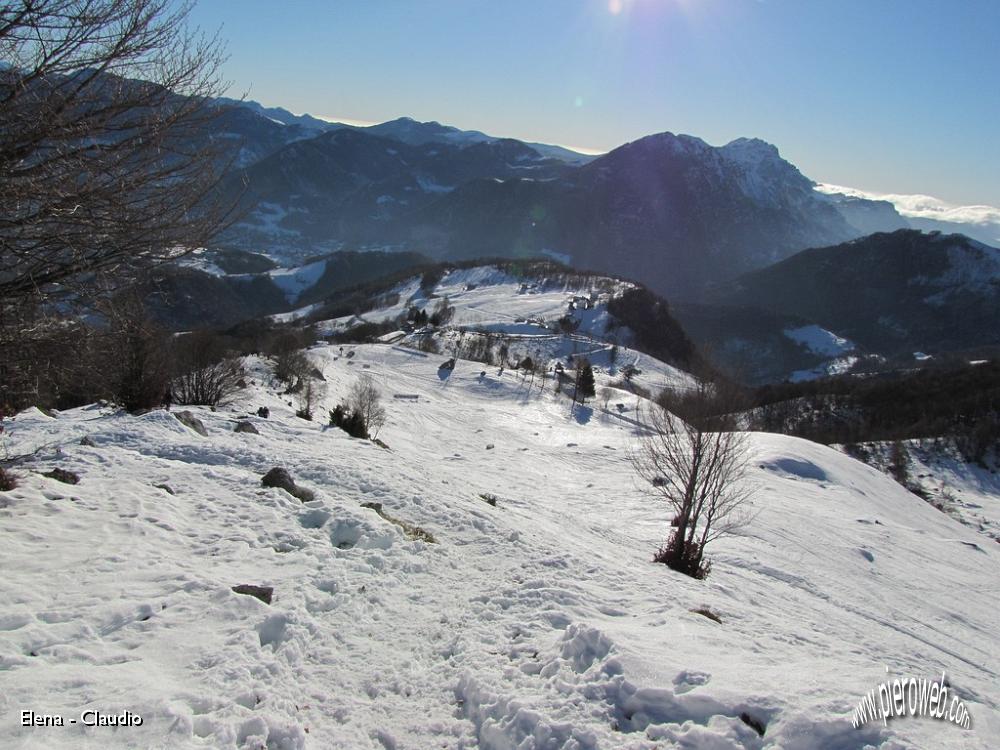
column 777, row 276
column 898, row 292
column 669, row 209
column 926, row 212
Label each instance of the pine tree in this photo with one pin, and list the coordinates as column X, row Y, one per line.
column 584, row 380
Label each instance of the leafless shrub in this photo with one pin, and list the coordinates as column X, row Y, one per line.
column 129, row 357
column 606, row 394
column 312, row 392
column 366, row 401
column 205, row 373
column 292, row 368
column 698, row 465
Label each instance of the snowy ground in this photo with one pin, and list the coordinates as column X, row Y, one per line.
column 536, row 624
column 967, row 491
column 487, row 300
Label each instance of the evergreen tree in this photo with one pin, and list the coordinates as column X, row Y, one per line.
column 584, row 380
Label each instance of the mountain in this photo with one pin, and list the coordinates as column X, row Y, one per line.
column 403, row 129
column 416, row 133
column 214, row 288
column 255, row 132
column 349, row 187
column 306, row 123
column 670, row 210
column 922, row 212
column 534, row 308
column 892, row 293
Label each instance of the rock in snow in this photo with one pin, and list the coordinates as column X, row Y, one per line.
column 279, row 477
column 61, row 475
column 188, row 419
column 259, row 592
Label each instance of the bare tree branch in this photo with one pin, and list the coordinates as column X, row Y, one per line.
column 105, row 161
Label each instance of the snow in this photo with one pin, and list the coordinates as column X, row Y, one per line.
column 294, row 281
column 967, row 491
column 199, row 262
column 428, row 185
column 296, row 314
column 538, row 623
column 923, row 206
column 489, row 300
column 819, row 340
column 564, row 258
column 837, row 366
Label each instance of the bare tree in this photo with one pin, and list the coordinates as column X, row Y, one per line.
column 204, row 371
column 105, row 163
column 313, row 391
column 130, row 359
column 698, row 465
column 293, row 368
column 606, row 395
column 366, row 400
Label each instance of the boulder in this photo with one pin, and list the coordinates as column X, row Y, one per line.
column 260, row 592
column 61, row 475
column 246, row 427
column 188, row 419
column 279, row 477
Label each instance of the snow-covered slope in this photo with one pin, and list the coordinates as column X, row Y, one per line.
column 536, row 623
column 487, row 298
column 523, row 310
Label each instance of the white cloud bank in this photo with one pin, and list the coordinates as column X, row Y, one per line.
column 924, row 206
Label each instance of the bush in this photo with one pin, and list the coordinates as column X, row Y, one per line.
column 205, row 374
column 131, row 356
column 697, row 463
column 899, row 462
column 291, row 368
column 429, row 345
column 684, row 557
column 349, row 421
column 443, row 312
column 312, row 392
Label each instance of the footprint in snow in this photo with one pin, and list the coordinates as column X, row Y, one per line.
column 690, row 679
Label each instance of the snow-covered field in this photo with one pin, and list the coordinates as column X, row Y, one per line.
column 487, row 300
column 967, row 491
column 536, row 624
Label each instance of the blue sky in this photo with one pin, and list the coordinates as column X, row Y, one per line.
column 895, row 96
